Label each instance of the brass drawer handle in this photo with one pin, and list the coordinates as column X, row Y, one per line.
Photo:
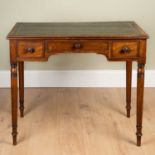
column 125, row 50
column 30, row 50
column 77, row 45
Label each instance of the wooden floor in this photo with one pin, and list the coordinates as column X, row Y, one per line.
column 77, row 121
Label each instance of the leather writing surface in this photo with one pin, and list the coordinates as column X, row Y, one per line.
column 90, row 29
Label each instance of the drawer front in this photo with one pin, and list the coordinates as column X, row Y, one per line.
column 60, row 46
column 125, row 49
column 30, row 49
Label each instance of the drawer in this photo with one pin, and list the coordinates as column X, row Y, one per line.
column 30, row 49
column 64, row 46
column 125, row 49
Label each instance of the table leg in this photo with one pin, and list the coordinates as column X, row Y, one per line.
column 128, row 86
column 21, row 87
column 140, row 94
column 14, row 96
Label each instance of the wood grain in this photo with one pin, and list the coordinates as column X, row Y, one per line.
column 133, row 47
column 77, row 121
column 128, row 86
column 62, row 46
column 37, row 46
column 21, row 87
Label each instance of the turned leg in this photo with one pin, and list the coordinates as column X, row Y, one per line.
column 128, row 86
column 140, row 94
column 14, row 102
column 21, row 87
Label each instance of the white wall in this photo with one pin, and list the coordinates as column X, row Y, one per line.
column 12, row 11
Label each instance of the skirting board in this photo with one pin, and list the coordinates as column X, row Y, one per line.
column 77, row 78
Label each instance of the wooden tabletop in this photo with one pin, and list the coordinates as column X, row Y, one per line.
column 84, row 29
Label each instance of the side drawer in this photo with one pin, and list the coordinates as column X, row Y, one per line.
column 30, row 49
column 125, row 49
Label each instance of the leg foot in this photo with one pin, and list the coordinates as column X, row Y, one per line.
column 14, row 134
column 139, row 135
column 139, row 140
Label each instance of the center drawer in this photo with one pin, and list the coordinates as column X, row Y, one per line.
column 64, row 46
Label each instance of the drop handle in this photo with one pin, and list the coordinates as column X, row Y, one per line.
column 125, row 50
column 77, row 45
column 30, row 50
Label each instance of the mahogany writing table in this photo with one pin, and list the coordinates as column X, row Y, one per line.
column 118, row 41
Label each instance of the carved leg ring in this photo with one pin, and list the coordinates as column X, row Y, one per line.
column 140, row 93
column 14, row 102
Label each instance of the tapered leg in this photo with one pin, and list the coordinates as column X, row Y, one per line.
column 21, row 87
column 128, row 86
column 140, row 94
column 14, row 102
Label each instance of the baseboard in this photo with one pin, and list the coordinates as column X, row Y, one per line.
column 77, row 78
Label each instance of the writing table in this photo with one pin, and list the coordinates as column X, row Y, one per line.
column 118, row 41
